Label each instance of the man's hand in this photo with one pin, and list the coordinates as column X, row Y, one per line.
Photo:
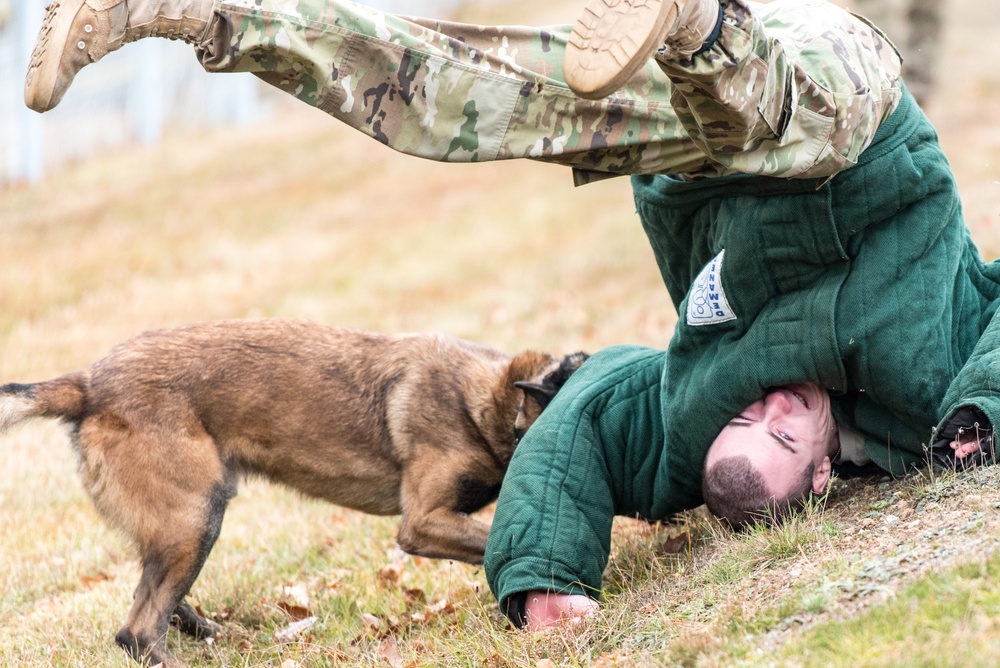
column 968, row 442
column 546, row 609
column 965, row 441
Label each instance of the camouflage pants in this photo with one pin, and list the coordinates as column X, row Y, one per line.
column 795, row 88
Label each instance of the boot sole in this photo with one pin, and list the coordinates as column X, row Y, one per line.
column 43, row 68
column 611, row 41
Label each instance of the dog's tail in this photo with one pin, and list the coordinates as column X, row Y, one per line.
column 63, row 398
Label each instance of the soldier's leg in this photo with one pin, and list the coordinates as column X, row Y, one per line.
column 437, row 90
column 447, row 91
column 470, row 93
column 794, row 88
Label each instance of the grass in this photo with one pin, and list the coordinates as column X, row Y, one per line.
column 312, row 220
column 946, row 619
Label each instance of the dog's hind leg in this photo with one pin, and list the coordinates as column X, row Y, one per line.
column 185, row 617
column 167, row 489
column 170, row 566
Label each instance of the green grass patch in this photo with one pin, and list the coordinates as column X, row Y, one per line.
column 950, row 618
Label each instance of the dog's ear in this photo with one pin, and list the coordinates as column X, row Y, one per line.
column 570, row 363
column 555, row 379
column 542, row 392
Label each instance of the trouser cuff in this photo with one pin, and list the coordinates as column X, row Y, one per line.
column 713, row 36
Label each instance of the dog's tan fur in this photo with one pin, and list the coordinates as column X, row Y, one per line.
column 167, row 423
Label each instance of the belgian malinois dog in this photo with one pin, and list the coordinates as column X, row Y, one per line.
column 168, row 422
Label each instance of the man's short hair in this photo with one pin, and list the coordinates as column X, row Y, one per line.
column 734, row 491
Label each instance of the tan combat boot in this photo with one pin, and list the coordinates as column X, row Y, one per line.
column 76, row 33
column 614, row 39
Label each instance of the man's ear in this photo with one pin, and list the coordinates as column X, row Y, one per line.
column 821, row 476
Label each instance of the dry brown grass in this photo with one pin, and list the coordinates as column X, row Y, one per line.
column 300, row 217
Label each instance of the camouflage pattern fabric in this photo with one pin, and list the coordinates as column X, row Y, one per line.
column 792, row 89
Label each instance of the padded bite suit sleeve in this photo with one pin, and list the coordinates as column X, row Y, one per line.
column 586, row 459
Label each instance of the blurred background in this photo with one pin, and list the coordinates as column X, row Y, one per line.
column 175, row 92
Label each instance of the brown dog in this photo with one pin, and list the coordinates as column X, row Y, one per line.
column 167, row 423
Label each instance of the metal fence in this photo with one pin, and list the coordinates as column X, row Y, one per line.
column 132, row 96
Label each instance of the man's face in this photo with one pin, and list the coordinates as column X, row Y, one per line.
column 781, row 434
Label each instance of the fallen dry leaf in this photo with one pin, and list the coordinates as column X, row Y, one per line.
column 295, row 628
column 290, row 663
column 414, row 597
column 371, row 621
column 297, row 593
column 89, row 581
column 391, row 575
column 295, row 612
column 442, row 607
column 648, row 608
column 389, row 651
column 676, row 544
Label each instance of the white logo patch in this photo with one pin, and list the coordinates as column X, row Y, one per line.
column 707, row 303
